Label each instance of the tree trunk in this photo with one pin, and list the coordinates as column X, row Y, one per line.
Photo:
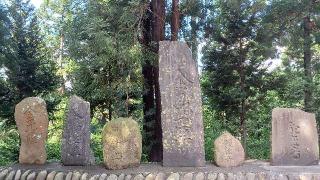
column 175, row 20
column 307, row 65
column 158, row 34
column 243, row 99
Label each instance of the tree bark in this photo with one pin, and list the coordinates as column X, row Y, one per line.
column 307, row 65
column 158, row 34
column 175, row 20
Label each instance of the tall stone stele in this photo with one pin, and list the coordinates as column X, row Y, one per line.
column 75, row 148
column 32, row 121
column 122, row 143
column 294, row 138
column 181, row 116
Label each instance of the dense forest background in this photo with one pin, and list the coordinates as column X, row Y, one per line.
column 253, row 56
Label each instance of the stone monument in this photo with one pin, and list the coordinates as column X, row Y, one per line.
column 122, row 143
column 75, row 148
column 228, row 151
column 181, row 116
column 32, row 121
column 294, row 138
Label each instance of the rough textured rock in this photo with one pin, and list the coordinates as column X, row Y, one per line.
column 294, row 138
column 139, row 177
column 51, row 175
column 10, row 175
column 181, row 116
column 103, row 177
column 160, row 176
column 32, row 121
column 122, row 144
column 199, row 176
column 221, row 176
column 59, row 176
column 212, row 176
column 42, row 175
column 76, row 176
column 4, row 173
column 128, row 177
column 150, row 177
column 18, row 175
column 31, row 176
column 228, row 151
column 112, row 177
column 173, row 176
column 75, row 148
column 121, row 177
column 68, row 176
column 84, row 176
column 188, row 176
column 25, row 174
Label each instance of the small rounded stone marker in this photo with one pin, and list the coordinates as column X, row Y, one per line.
column 128, row 177
column 3, row 173
column 18, row 175
column 121, row 177
column 42, row 175
column 250, row 176
column 51, row 175
column 95, row 177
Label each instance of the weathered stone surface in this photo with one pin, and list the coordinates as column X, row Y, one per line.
column 294, row 138
column 32, row 121
column 150, row 177
column 221, row 176
column 103, row 177
column 173, row 176
column 25, row 174
column 181, row 116
column 128, row 177
column 188, row 176
column 228, row 151
column 68, row 176
column 250, row 176
column 122, row 144
column 76, row 176
column 75, row 148
column 199, row 176
column 31, row 176
column 84, row 176
column 160, row 176
column 42, row 175
column 121, row 177
column 51, row 175
column 112, row 177
column 95, row 177
column 18, row 175
column 139, row 177
column 212, row 176
column 10, row 175
column 4, row 173
column 59, row 176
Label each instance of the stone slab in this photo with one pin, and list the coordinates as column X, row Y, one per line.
column 75, row 148
column 294, row 138
column 181, row 115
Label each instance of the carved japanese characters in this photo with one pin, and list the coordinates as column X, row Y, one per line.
column 32, row 121
column 294, row 137
column 181, row 115
column 122, row 144
column 75, row 148
column 228, row 151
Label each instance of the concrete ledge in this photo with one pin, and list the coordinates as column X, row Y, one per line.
column 256, row 170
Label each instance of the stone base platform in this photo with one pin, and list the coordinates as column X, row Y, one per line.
column 251, row 170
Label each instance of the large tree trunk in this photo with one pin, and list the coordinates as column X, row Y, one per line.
column 158, row 34
column 243, row 99
column 175, row 20
column 307, row 65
